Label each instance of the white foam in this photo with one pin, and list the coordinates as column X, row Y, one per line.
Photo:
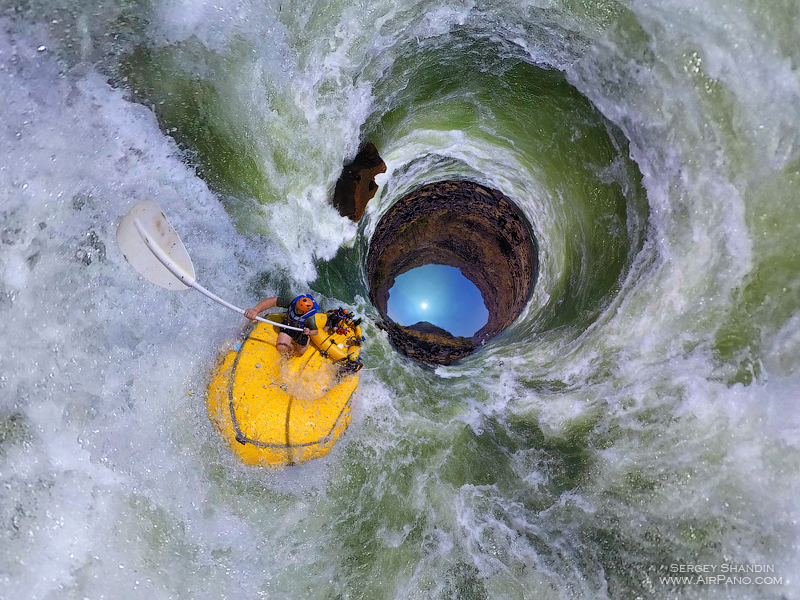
column 113, row 470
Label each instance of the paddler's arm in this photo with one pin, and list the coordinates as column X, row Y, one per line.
column 305, row 339
column 265, row 304
column 307, row 330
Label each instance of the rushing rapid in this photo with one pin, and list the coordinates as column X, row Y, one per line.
column 640, row 417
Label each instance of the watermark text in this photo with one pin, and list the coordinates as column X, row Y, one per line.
column 720, row 574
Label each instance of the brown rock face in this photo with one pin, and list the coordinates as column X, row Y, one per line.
column 356, row 185
column 459, row 224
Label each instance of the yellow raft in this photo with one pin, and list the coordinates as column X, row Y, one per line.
column 276, row 410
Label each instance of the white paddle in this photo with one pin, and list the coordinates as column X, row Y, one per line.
column 155, row 250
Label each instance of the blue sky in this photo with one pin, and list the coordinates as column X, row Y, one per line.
column 440, row 295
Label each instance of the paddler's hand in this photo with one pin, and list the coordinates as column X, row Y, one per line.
column 306, row 331
column 250, row 314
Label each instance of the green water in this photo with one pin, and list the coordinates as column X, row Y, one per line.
column 639, row 415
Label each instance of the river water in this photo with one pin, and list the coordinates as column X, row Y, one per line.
column 638, row 418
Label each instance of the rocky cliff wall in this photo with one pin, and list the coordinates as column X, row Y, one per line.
column 464, row 225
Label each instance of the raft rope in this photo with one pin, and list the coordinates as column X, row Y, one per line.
column 243, row 439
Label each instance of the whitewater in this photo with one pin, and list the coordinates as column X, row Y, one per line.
column 638, row 425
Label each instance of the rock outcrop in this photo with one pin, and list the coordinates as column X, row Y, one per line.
column 464, row 225
column 356, row 185
column 428, row 343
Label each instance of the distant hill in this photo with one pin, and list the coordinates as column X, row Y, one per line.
column 425, row 327
column 435, row 335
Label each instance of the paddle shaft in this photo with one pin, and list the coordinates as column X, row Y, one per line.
column 187, row 279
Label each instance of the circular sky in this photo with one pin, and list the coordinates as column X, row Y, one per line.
column 440, row 295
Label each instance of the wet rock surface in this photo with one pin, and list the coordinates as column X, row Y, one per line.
column 428, row 343
column 356, row 185
column 463, row 225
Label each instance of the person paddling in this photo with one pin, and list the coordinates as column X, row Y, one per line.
column 301, row 313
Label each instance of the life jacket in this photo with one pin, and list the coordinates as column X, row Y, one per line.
column 295, row 320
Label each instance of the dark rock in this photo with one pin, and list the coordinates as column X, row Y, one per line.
column 356, row 185
column 429, row 344
column 463, row 225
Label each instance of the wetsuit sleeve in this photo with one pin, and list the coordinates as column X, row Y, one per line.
column 311, row 322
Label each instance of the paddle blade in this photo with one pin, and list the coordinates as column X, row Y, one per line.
column 139, row 254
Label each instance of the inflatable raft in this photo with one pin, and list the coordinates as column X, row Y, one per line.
column 275, row 410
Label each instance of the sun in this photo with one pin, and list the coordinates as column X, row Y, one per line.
column 424, row 305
